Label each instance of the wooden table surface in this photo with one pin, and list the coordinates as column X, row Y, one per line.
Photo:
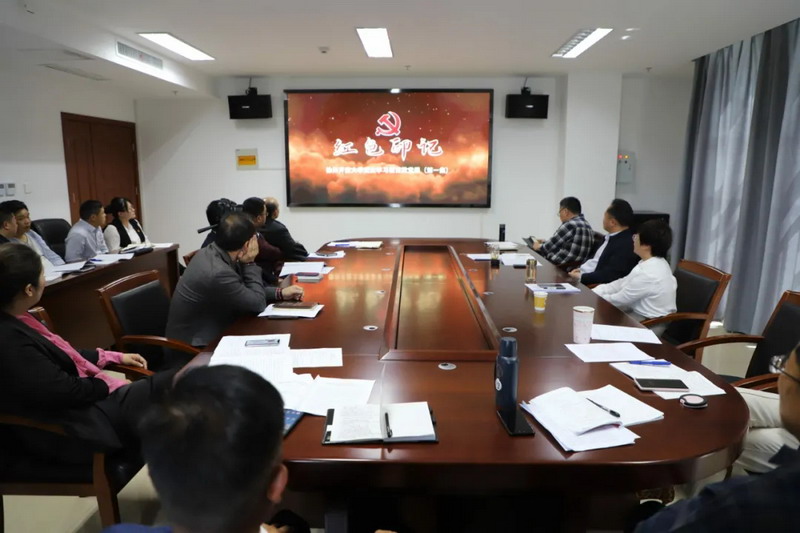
column 432, row 304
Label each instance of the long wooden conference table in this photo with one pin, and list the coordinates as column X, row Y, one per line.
column 399, row 311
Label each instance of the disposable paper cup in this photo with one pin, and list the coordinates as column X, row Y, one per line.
column 539, row 300
column 582, row 319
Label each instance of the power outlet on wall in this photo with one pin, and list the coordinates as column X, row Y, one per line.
column 11, row 189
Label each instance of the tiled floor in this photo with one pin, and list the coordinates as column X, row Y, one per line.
column 138, row 503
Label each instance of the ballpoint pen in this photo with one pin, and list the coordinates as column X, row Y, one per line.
column 604, row 408
column 651, row 363
column 388, row 429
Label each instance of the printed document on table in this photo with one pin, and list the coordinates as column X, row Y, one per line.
column 503, row 245
column 338, row 254
column 480, row 257
column 159, row 245
column 236, row 345
column 354, row 423
column 631, row 411
column 651, row 371
column 515, row 259
column 316, row 357
column 572, row 410
column 107, row 259
column 294, row 389
column 607, row 352
column 330, row 393
column 69, row 267
column 553, row 288
column 697, row 383
column 602, row 332
column 272, row 311
column 373, row 245
column 327, row 270
column 274, row 367
column 312, row 267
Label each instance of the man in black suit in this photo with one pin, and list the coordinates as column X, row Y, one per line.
column 278, row 235
column 615, row 258
column 43, row 377
column 8, row 224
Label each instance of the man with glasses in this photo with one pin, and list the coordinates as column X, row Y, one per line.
column 767, row 502
column 572, row 242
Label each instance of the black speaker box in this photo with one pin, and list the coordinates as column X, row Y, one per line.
column 250, row 106
column 527, row 105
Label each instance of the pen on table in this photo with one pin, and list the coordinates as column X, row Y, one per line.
column 604, row 408
column 388, row 429
column 651, row 363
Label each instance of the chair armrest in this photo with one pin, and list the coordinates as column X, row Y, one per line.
column 673, row 317
column 131, row 372
column 16, row 420
column 159, row 341
column 691, row 346
column 764, row 382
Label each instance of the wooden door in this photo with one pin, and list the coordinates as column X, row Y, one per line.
column 100, row 156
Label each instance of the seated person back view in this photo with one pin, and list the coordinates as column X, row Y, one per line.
column 277, row 234
column 572, row 242
column 8, row 224
column 268, row 255
column 28, row 237
column 221, row 284
column 215, row 212
column 751, row 503
column 43, row 377
column 615, row 258
column 123, row 229
column 649, row 291
column 85, row 240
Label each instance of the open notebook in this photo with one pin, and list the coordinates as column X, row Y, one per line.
column 396, row 422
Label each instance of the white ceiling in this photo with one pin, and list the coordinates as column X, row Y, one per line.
column 429, row 37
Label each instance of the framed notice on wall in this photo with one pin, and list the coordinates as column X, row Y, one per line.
column 246, row 159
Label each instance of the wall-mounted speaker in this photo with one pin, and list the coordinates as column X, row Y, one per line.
column 527, row 105
column 250, row 105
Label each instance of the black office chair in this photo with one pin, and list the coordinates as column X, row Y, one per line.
column 54, row 232
column 700, row 289
column 137, row 307
column 780, row 335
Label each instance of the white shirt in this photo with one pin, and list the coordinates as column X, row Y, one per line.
column 111, row 236
column 591, row 265
column 649, row 290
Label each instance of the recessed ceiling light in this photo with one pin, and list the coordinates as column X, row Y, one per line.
column 375, row 41
column 632, row 29
column 625, row 37
column 580, row 42
column 172, row 43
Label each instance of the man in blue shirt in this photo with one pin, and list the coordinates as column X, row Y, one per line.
column 762, row 503
column 28, row 237
column 85, row 240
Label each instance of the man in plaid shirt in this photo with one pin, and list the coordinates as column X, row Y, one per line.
column 572, row 242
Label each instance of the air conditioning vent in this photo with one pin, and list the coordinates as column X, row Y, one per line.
column 75, row 71
column 130, row 52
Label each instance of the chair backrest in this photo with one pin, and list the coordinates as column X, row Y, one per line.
column 54, row 232
column 137, row 305
column 781, row 334
column 700, row 289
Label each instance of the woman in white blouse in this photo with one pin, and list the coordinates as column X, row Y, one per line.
column 649, row 290
column 124, row 229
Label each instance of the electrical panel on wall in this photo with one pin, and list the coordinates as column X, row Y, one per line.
column 625, row 164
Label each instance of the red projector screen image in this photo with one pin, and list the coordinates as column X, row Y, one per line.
column 379, row 148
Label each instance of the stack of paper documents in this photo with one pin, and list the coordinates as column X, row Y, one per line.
column 601, row 332
column 302, row 267
column 329, row 393
column 608, row 351
column 503, row 245
column 277, row 312
column 158, row 245
column 695, row 381
column 631, row 411
column 69, row 267
column 373, row 245
column 316, row 357
column 107, row 259
column 338, row 254
column 515, row 259
column 562, row 288
column 576, row 423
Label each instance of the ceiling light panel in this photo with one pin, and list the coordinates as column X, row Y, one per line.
column 580, row 42
column 375, row 41
column 173, row 44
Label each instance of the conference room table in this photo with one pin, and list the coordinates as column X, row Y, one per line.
column 401, row 310
column 74, row 305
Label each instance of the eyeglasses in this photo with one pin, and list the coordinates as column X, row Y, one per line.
column 777, row 365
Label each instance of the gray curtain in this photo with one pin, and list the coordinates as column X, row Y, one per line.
column 741, row 190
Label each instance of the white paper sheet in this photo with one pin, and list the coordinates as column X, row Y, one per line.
column 602, row 332
column 272, row 311
column 274, row 367
column 515, row 259
column 107, row 259
column 302, row 266
column 352, row 423
column 317, row 357
column 631, row 410
column 650, row 371
column 236, row 345
column 573, row 412
column 356, row 244
column 409, row 420
column 607, row 352
column 503, row 245
column 697, row 383
column 480, row 257
column 294, row 389
column 158, row 245
column 330, row 393
column 327, row 255
column 553, row 288
column 327, row 270
column 69, row 267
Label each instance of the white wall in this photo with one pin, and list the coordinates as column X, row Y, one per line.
column 654, row 116
column 186, row 150
column 31, row 146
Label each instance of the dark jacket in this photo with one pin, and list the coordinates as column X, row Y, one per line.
column 124, row 239
column 39, row 380
column 278, row 235
column 616, row 261
column 212, row 293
